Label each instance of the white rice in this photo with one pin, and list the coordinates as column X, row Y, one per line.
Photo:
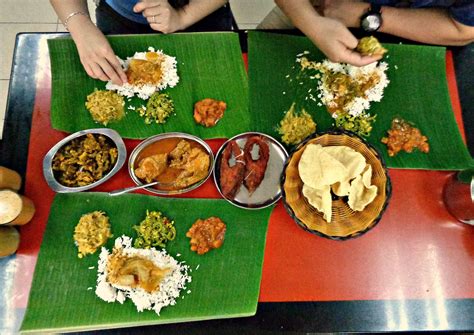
column 359, row 104
column 170, row 77
column 170, row 287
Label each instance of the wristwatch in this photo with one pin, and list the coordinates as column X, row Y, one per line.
column 372, row 20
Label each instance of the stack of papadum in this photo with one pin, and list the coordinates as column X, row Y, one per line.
column 337, row 169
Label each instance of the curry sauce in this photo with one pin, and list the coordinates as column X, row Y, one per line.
column 185, row 163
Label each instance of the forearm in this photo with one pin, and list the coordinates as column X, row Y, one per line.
column 196, row 10
column 64, row 8
column 427, row 25
column 302, row 14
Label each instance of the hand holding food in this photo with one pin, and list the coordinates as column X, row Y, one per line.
column 347, row 91
column 337, row 43
column 370, row 46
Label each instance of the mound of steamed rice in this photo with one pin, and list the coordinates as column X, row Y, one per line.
column 358, row 105
column 170, row 287
column 170, row 77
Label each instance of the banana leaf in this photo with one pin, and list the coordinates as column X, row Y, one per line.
column 418, row 92
column 210, row 65
column 225, row 281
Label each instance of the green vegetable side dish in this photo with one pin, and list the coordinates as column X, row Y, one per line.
column 154, row 231
column 158, row 108
column 361, row 124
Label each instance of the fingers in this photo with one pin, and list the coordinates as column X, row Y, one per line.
column 355, row 58
column 105, row 70
column 142, row 5
column 347, row 54
column 97, row 72
column 110, row 72
column 89, row 71
column 112, row 59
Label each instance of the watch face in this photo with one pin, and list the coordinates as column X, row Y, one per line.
column 371, row 22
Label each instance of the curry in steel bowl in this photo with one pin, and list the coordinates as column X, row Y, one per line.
column 84, row 160
column 178, row 162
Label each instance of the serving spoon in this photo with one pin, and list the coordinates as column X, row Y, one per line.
column 139, row 187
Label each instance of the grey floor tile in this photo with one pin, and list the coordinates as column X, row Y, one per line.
column 249, row 13
column 8, row 33
column 27, row 11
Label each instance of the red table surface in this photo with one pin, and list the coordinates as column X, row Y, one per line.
column 417, row 251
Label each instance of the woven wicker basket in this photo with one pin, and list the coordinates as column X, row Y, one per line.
column 345, row 222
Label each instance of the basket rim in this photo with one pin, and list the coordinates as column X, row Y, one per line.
column 388, row 184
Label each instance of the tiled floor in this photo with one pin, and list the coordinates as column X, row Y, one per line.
column 38, row 16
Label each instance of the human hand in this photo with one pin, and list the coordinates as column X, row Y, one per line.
column 337, row 43
column 161, row 15
column 96, row 55
column 346, row 11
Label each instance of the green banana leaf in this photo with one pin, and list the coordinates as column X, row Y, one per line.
column 418, row 92
column 210, row 65
column 225, row 281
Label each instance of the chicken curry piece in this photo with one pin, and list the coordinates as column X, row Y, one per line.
column 134, row 271
column 145, row 71
column 151, row 167
column 175, row 162
column 193, row 163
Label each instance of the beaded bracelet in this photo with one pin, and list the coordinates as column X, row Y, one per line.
column 66, row 21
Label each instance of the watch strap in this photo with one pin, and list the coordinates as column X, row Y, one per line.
column 375, row 9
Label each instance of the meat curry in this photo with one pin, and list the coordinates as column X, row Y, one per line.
column 174, row 162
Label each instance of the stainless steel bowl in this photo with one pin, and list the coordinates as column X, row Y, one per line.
column 48, row 160
column 269, row 190
column 160, row 137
